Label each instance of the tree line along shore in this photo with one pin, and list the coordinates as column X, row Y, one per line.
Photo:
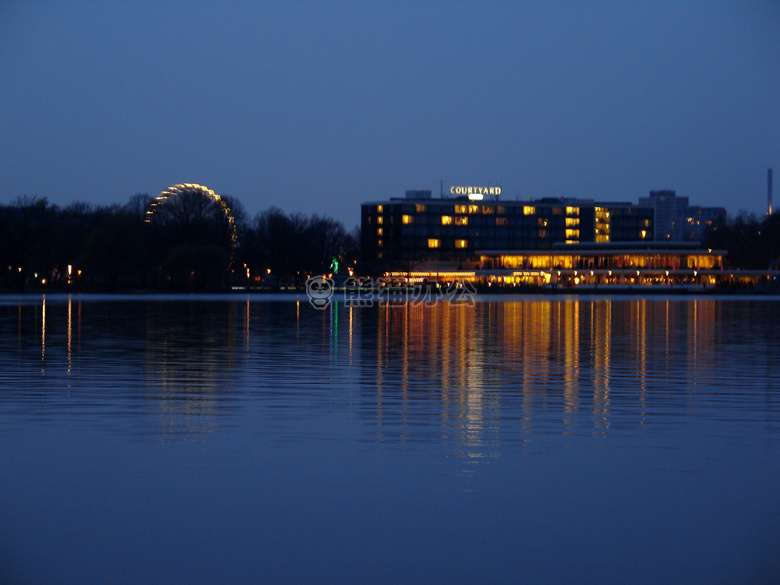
column 188, row 243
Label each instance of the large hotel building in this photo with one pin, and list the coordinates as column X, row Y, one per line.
column 474, row 234
column 419, row 229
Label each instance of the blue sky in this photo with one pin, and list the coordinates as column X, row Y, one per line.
column 319, row 106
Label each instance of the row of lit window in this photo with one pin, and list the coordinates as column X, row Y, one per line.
column 569, row 211
column 464, row 220
column 500, row 210
column 436, row 243
column 571, row 234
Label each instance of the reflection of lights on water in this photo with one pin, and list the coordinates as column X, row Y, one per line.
column 351, row 330
column 43, row 335
column 70, row 332
column 556, row 352
column 43, row 328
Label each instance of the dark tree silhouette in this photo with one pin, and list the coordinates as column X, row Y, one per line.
column 190, row 240
column 114, row 253
column 295, row 246
column 24, row 227
column 752, row 244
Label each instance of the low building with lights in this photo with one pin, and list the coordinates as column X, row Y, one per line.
column 605, row 267
column 606, row 263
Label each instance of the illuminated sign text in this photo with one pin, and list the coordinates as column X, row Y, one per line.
column 475, row 193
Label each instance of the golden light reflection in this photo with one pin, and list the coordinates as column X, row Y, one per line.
column 547, row 365
column 43, row 333
column 186, row 360
column 601, row 342
column 70, row 334
column 351, row 332
column 571, row 361
column 641, row 335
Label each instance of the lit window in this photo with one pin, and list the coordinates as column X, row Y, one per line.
column 571, row 234
column 572, row 221
column 446, row 220
column 462, row 220
column 542, row 222
column 460, row 209
column 502, row 221
column 461, row 244
column 380, row 220
column 500, row 210
column 643, row 233
column 380, row 231
column 529, row 210
column 380, row 208
column 419, row 207
column 407, row 219
column 542, row 233
column 486, row 209
column 572, row 211
column 473, row 208
column 433, row 243
column 379, row 243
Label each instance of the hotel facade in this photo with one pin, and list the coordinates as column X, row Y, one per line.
column 474, row 236
column 420, row 231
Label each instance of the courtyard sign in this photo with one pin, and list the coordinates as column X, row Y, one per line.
column 475, row 193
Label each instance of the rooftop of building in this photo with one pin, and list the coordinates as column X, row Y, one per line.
column 495, row 201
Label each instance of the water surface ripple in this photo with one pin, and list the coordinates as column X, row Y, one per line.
column 252, row 438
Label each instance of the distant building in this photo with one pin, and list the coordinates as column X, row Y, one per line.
column 676, row 220
column 669, row 211
column 418, row 230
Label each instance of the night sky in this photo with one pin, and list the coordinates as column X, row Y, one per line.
column 316, row 107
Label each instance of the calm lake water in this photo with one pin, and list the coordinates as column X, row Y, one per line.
column 254, row 439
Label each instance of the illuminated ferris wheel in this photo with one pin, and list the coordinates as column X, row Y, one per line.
column 192, row 206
